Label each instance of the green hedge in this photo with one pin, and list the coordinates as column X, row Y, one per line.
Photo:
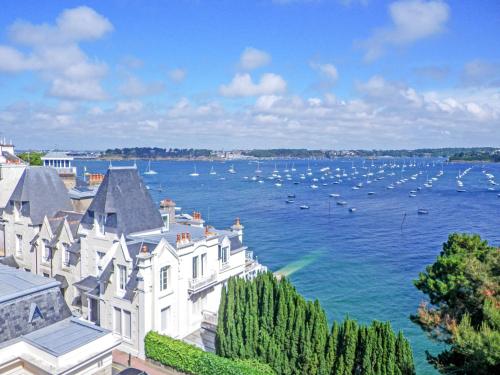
column 190, row 359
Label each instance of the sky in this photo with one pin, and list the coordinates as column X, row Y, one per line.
column 327, row 74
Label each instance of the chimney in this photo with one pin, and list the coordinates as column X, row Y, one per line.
column 144, row 248
column 169, row 206
column 238, row 228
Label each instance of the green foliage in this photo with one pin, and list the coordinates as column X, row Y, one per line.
column 156, row 152
column 192, row 360
column 33, row 158
column 276, row 325
column 463, row 288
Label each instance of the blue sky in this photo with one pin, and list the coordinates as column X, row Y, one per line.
column 248, row 74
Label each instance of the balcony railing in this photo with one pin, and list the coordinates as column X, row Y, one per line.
column 201, row 283
column 209, row 317
column 249, row 256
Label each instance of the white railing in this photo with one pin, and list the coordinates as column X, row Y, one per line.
column 66, row 170
column 202, row 282
column 249, row 256
column 209, row 317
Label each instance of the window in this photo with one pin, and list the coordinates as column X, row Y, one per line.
column 223, row 254
column 195, row 267
column 122, row 322
column 203, row 264
column 45, row 274
column 98, row 258
column 45, row 251
column 164, row 273
column 127, row 324
column 122, row 274
column 19, row 245
column 66, row 254
column 101, row 220
column 117, row 321
column 18, row 207
column 165, row 318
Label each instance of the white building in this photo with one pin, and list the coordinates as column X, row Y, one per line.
column 61, row 161
column 130, row 267
column 11, row 169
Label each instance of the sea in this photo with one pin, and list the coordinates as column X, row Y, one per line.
column 359, row 264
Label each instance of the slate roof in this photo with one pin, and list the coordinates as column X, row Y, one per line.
column 57, row 155
column 10, row 261
column 16, row 283
column 123, row 197
column 44, row 191
column 65, row 336
column 73, row 218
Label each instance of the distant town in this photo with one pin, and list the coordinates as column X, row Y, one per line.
column 473, row 154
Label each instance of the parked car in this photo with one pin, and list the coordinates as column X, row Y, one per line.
column 132, row 371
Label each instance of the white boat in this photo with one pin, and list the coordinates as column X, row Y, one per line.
column 352, row 209
column 278, row 184
column 194, row 174
column 313, row 186
column 232, row 170
column 149, row 171
column 212, row 171
column 304, row 207
column 334, row 195
column 258, row 170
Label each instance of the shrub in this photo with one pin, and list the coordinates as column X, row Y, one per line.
column 190, row 359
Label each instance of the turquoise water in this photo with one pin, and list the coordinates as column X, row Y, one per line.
column 359, row 264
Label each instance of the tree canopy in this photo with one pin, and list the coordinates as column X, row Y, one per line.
column 464, row 311
column 268, row 320
column 33, row 158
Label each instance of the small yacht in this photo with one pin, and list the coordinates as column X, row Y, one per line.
column 313, row 186
column 231, row 169
column 334, row 195
column 352, row 209
column 194, row 174
column 423, row 211
column 341, row 203
column 212, row 171
column 258, row 170
column 149, row 171
column 304, row 207
column 278, row 184
column 290, row 201
column 293, row 168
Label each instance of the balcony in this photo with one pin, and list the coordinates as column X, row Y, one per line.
column 201, row 283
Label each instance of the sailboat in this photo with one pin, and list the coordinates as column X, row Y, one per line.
column 194, row 174
column 258, row 170
column 231, row 169
column 149, row 171
column 212, row 171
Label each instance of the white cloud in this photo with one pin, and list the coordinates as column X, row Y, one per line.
column 252, row 58
column 328, row 71
column 135, row 87
column 53, row 52
column 242, row 85
column 481, row 73
column 129, row 106
column 412, row 20
column 177, row 75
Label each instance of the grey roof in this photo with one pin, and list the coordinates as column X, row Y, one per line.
column 22, row 294
column 10, row 261
column 44, row 191
column 73, row 218
column 65, row 336
column 57, row 155
column 16, row 283
column 124, row 199
column 88, row 284
column 235, row 243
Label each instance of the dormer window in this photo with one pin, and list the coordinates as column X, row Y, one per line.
column 223, row 255
column 18, row 208
column 100, row 222
column 46, row 253
column 66, row 254
column 122, row 278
